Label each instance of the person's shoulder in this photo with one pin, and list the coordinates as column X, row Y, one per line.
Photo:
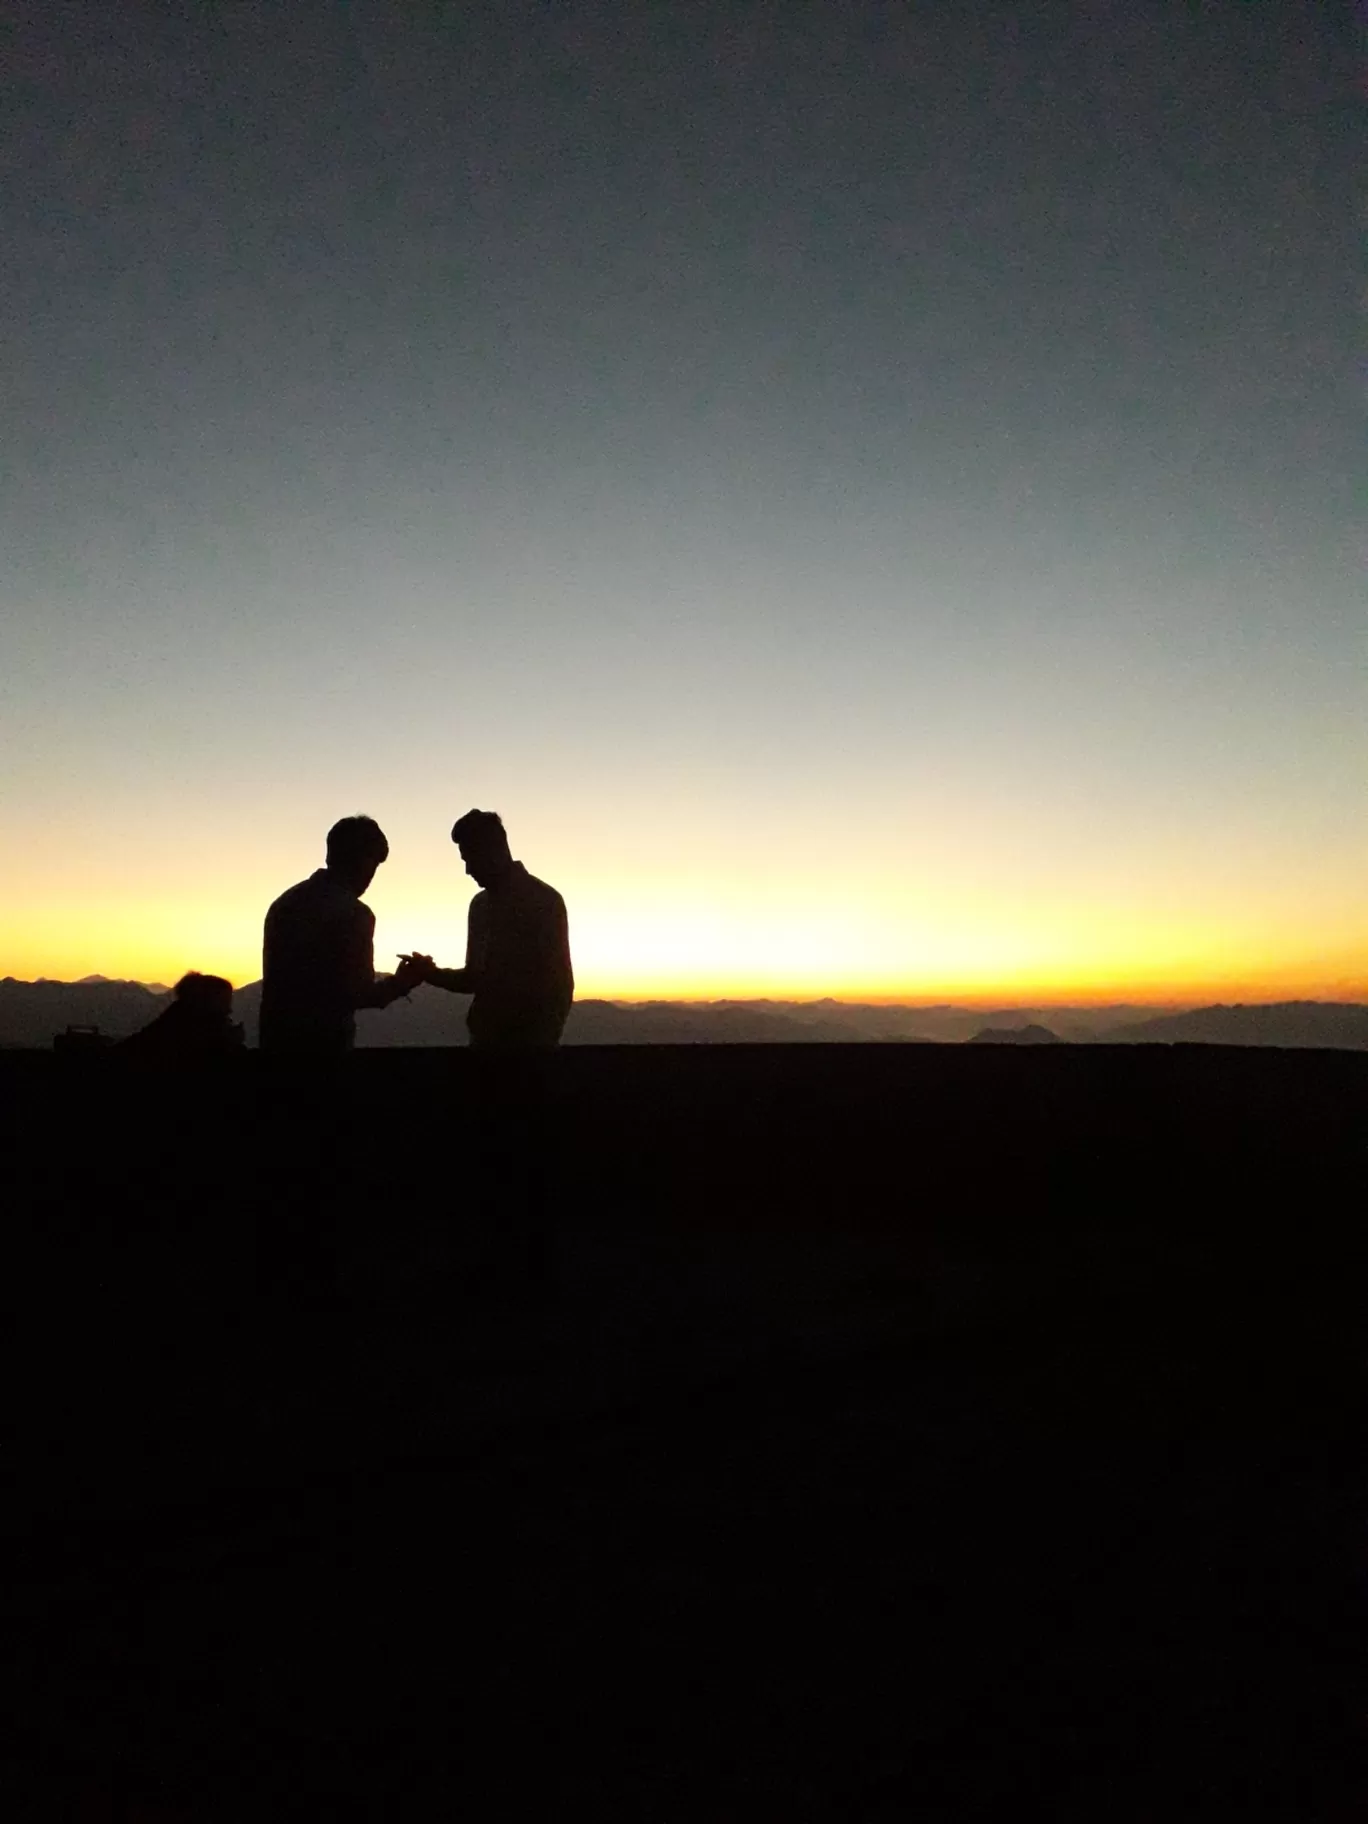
column 543, row 891
column 340, row 904
column 286, row 901
column 320, row 897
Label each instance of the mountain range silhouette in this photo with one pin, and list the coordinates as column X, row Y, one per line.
column 33, row 1013
column 1016, row 1035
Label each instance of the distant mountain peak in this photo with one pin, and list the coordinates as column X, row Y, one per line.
column 1016, row 1035
column 1339, row 1025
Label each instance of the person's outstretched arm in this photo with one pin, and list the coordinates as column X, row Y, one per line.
column 386, row 988
column 467, row 980
column 368, row 988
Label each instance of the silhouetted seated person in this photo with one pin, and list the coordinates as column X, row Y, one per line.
column 517, row 963
column 319, row 951
column 197, row 1025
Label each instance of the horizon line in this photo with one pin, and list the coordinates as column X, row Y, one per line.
column 978, row 1000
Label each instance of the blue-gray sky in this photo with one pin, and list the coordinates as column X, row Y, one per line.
column 869, row 492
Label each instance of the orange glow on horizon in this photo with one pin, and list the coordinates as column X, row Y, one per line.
column 660, row 942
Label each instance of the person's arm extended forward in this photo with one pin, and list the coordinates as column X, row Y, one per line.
column 368, row 988
column 455, row 981
column 386, row 988
column 467, row 979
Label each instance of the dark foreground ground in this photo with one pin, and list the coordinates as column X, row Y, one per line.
column 815, row 1433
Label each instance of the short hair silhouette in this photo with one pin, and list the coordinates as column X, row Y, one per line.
column 196, row 1023
column 204, row 994
column 356, row 839
column 479, row 826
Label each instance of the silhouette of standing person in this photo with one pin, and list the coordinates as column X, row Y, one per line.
column 517, row 964
column 518, row 973
column 319, row 951
column 319, row 967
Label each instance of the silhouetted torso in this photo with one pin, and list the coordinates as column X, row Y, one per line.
column 183, row 1035
column 318, row 967
column 518, row 951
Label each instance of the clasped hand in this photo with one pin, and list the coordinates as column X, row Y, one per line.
column 413, row 971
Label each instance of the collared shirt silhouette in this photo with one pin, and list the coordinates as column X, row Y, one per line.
column 517, row 963
column 319, row 950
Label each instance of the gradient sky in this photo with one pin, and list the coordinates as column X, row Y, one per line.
column 869, row 492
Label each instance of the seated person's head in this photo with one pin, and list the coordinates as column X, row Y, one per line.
column 207, row 998
column 480, row 837
column 356, row 847
column 200, row 1018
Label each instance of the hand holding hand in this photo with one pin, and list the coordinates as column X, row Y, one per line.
column 412, row 971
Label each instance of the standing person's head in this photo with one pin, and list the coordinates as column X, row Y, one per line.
column 356, row 847
column 480, row 837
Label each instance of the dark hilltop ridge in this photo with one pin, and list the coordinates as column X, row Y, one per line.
column 1337, row 1025
column 1016, row 1035
column 790, row 1431
column 34, row 1013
